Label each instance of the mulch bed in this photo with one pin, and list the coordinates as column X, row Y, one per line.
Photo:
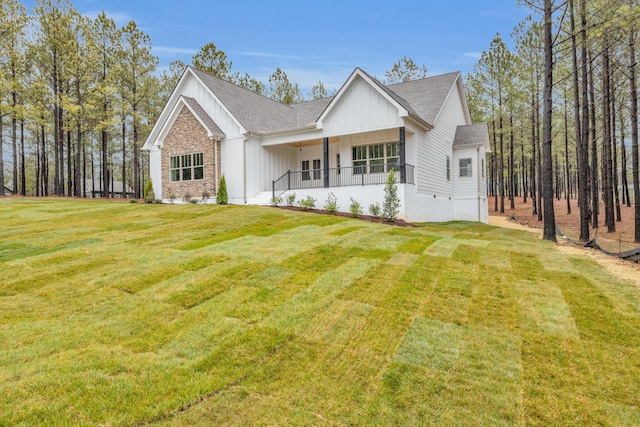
column 370, row 218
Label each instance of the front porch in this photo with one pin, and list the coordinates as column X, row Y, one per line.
column 342, row 177
column 361, row 159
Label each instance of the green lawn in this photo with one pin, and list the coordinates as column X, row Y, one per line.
column 129, row 314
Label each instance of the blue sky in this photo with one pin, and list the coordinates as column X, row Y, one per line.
column 319, row 40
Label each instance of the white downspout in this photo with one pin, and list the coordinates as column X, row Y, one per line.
column 478, row 190
column 244, row 169
column 215, row 165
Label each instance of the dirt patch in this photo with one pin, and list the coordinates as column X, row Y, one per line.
column 622, row 270
column 618, row 241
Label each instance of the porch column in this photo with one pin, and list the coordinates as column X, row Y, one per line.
column 325, row 161
column 401, row 148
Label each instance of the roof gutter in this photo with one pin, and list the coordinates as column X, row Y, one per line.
column 419, row 120
column 281, row 132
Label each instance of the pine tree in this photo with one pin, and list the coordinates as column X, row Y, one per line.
column 222, row 198
column 391, row 204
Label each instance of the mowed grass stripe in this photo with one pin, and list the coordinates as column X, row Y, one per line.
column 138, row 314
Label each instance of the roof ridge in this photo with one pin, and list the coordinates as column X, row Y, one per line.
column 238, row 86
column 425, row 78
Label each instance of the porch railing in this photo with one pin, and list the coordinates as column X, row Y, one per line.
column 341, row 177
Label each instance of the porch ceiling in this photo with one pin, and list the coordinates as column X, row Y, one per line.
column 333, row 139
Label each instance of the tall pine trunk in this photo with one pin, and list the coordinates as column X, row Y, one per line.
column 23, row 176
column 124, row 157
column 595, row 196
column 583, row 174
column 634, row 133
column 547, row 187
column 614, row 148
column 607, row 190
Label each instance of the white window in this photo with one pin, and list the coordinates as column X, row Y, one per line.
column 308, row 172
column 448, row 169
column 465, row 168
column 375, row 158
column 187, row 167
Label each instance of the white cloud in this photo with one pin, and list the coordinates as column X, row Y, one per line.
column 472, row 55
column 270, row 55
column 168, row 51
column 120, row 18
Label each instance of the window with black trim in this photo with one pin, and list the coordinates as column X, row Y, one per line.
column 465, row 168
column 448, row 169
column 187, row 167
column 373, row 158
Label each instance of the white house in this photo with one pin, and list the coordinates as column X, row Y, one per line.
column 343, row 145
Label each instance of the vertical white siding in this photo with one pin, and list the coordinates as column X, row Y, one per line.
column 361, row 108
column 434, row 147
column 155, row 170
column 233, row 168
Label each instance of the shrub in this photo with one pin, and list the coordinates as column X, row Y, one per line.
column 391, row 204
column 307, row 204
column 194, row 201
column 205, row 196
column 355, row 210
column 149, row 195
column 331, row 205
column 291, row 199
column 222, row 198
column 172, row 198
column 133, row 201
column 374, row 209
column 157, row 201
column 187, row 197
column 275, row 201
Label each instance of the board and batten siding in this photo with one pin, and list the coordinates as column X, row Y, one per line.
column 362, row 108
column 232, row 151
column 228, row 125
column 434, row 147
column 265, row 164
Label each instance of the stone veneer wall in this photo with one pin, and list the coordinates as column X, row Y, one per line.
column 188, row 136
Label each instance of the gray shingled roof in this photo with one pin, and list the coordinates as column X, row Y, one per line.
column 204, row 117
column 421, row 98
column 309, row 111
column 427, row 95
column 477, row 134
column 255, row 112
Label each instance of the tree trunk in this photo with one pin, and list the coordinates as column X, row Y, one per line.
column 2, row 158
column 104, row 166
column 549, row 216
column 495, row 167
column 501, row 165
column 606, row 142
column 512, row 180
column 14, row 141
column 582, row 127
column 614, row 147
column 623, row 151
column 567, row 165
column 634, row 133
column 595, row 196
column 124, row 157
column 23, row 178
column 540, row 181
column 533, row 183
